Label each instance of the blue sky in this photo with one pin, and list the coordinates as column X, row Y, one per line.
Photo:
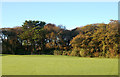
column 69, row 14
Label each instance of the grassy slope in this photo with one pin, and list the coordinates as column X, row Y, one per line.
column 57, row 65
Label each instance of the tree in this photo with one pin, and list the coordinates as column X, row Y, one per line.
column 31, row 32
column 10, row 40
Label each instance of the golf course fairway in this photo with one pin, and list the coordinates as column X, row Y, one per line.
column 57, row 65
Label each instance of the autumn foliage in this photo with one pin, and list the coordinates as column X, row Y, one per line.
column 37, row 37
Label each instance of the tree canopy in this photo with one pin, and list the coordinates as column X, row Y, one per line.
column 37, row 37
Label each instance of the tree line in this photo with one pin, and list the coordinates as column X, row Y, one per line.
column 37, row 37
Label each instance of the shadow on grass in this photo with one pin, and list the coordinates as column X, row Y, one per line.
column 4, row 54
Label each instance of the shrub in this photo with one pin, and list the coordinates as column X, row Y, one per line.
column 96, row 54
column 112, row 53
column 83, row 52
column 75, row 52
column 68, row 53
column 117, row 56
column 57, row 52
column 64, row 53
column 107, row 54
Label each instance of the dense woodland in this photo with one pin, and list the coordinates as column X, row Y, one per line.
column 39, row 38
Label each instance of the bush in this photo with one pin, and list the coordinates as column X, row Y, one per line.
column 117, row 56
column 107, row 54
column 57, row 52
column 83, row 52
column 64, row 53
column 68, row 53
column 96, row 54
column 75, row 52
column 111, row 53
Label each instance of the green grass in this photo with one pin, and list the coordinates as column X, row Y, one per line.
column 0, row 65
column 57, row 65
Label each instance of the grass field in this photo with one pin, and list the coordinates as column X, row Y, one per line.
column 57, row 65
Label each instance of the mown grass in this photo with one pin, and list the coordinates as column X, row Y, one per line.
column 0, row 65
column 57, row 65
